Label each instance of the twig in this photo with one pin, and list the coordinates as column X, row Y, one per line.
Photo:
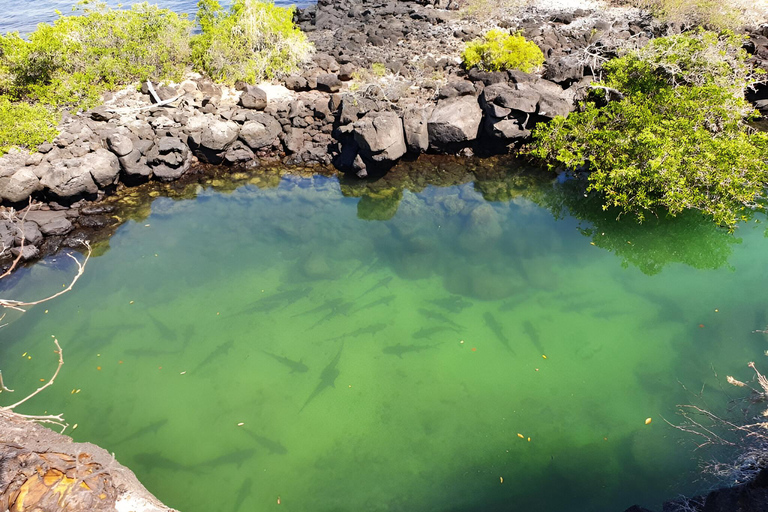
column 10, row 216
column 2, row 386
column 18, row 304
column 47, row 384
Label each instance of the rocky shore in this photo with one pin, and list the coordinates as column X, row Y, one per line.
column 385, row 83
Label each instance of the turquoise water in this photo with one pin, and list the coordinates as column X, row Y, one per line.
column 415, row 319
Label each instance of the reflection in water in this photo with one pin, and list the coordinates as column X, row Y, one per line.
column 393, row 364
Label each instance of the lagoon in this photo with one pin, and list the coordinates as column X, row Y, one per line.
column 455, row 337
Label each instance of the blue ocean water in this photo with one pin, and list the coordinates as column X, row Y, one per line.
column 24, row 15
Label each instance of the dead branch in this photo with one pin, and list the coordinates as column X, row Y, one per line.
column 55, row 419
column 11, row 215
column 18, row 305
column 2, row 386
column 47, row 384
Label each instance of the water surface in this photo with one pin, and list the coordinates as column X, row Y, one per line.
column 24, row 15
column 495, row 344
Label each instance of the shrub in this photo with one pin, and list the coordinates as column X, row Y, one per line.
column 251, row 41
column 715, row 14
column 499, row 51
column 25, row 125
column 677, row 140
column 482, row 10
column 70, row 62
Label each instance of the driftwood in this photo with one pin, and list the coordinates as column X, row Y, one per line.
column 43, row 471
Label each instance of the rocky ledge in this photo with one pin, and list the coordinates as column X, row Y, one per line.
column 385, row 83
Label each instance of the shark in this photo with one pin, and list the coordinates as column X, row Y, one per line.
column 384, row 301
column 380, row 284
column 428, row 332
column 237, row 457
column 243, row 493
column 152, row 428
column 341, row 309
column 327, row 378
column 273, row 447
column 433, row 315
column 370, row 330
column 295, row 366
column 166, row 332
column 454, row 303
column 154, row 460
column 533, row 334
column 275, row 301
column 219, row 351
column 400, row 349
column 330, row 304
column 493, row 325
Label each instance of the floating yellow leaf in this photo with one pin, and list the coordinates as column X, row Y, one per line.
column 501, row 479
column 542, row 355
column 647, row 421
column 521, row 436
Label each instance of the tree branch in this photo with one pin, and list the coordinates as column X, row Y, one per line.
column 47, row 384
column 18, row 305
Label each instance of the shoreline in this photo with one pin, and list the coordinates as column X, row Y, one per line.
column 384, row 84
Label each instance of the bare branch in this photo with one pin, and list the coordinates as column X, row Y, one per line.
column 47, row 384
column 11, row 215
column 19, row 305
column 2, row 386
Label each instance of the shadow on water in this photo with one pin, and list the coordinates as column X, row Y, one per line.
column 467, row 211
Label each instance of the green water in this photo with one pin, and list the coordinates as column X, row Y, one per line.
column 173, row 337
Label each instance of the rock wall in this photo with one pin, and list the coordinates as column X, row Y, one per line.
column 385, row 83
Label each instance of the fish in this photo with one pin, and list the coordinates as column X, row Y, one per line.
column 428, row 332
column 433, row 315
column 495, row 328
column 237, row 457
column 329, row 304
column 152, row 428
column 219, row 351
column 242, row 493
column 166, row 333
column 275, row 301
column 327, row 378
column 341, row 309
column 400, row 349
column 382, row 282
column 533, row 334
column 384, row 301
column 153, row 460
column 273, row 447
column 295, row 366
column 364, row 267
column 370, row 329
column 454, row 303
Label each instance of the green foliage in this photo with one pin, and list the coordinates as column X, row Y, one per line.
column 22, row 124
column 378, row 69
column 70, row 62
column 499, row 51
column 251, row 41
column 677, row 140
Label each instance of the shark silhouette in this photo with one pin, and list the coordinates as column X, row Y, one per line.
column 327, row 378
